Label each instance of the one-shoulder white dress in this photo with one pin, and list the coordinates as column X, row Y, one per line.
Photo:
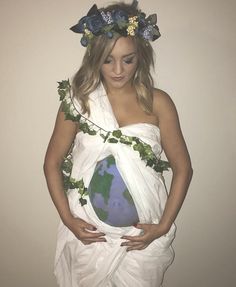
column 107, row 264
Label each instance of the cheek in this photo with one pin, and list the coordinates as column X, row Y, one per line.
column 104, row 71
column 132, row 70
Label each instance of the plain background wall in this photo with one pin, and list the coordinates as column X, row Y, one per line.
column 195, row 65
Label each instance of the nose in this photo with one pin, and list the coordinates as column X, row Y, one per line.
column 118, row 68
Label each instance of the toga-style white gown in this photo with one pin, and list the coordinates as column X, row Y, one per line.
column 107, row 264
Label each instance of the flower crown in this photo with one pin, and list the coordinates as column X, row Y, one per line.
column 98, row 22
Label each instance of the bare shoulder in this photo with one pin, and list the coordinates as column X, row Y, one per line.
column 62, row 137
column 172, row 139
column 163, row 105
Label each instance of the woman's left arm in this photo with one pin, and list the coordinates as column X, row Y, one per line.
column 177, row 154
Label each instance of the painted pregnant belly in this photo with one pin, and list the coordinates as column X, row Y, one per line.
column 109, row 195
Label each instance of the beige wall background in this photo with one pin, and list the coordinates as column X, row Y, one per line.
column 195, row 65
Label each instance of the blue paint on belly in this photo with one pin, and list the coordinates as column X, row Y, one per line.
column 109, row 195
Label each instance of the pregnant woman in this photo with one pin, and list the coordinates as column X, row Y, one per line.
column 103, row 164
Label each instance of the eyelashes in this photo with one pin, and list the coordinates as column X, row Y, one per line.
column 126, row 61
column 129, row 61
column 107, row 62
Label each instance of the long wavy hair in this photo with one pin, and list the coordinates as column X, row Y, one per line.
column 88, row 77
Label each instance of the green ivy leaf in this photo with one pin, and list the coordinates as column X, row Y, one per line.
column 138, row 147
column 77, row 118
column 112, row 140
column 124, row 141
column 66, row 166
column 84, row 127
column 117, row 133
column 92, row 132
column 69, row 117
column 150, row 162
column 145, row 151
column 65, row 84
column 135, row 139
column 81, row 184
column 82, row 201
column 62, row 94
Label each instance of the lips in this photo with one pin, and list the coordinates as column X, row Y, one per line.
column 117, row 78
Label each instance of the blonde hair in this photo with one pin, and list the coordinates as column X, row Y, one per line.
column 88, row 77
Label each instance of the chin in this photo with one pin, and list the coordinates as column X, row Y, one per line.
column 118, row 84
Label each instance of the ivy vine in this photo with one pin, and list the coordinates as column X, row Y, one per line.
column 86, row 126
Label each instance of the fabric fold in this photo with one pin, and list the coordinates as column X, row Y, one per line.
column 147, row 189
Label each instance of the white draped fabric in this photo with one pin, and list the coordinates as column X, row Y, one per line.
column 108, row 264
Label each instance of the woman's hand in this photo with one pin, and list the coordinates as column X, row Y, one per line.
column 84, row 231
column 150, row 233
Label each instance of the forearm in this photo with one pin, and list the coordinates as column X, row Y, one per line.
column 55, row 186
column 179, row 186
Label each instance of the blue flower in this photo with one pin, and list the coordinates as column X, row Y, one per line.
column 95, row 24
column 109, row 34
column 98, row 22
column 142, row 21
column 119, row 16
column 107, row 17
column 150, row 33
column 84, row 41
column 79, row 28
column 81, row 24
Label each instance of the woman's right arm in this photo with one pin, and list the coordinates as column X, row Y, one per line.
column 63, row 136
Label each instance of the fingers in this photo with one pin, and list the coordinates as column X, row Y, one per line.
column 91, row 234
column 141, row 241
column 85, row 235
column 134, row 245
column 139, row 226
column 87, row 238
column 90, row 241
column 134, row 238
column 86, row 225
column 86, row 232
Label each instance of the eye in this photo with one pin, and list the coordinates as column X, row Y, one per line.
column 107, row 61
column 129, row 60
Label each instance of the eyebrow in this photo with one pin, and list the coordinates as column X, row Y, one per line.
column 133, row 53
column 127, row 55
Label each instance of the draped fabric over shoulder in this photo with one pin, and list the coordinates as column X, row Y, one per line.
column 106, row 264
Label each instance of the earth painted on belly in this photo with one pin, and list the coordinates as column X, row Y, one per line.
column 109, row 195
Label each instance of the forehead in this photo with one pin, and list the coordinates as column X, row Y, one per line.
column 123, row 46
